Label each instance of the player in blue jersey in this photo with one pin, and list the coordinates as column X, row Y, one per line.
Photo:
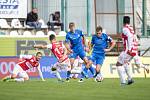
column 75, row 38
column 99, row 43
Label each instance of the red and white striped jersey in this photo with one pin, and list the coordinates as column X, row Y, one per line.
column 58, row 50
column 28, row 62
column 130, row 42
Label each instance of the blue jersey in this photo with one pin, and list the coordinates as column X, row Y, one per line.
column 75, row 40
column 100, row 43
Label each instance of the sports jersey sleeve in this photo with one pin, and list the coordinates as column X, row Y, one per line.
column 92, row 41
column 108, row 38
column 129, row 38
column 81, row 33
column 49, row 46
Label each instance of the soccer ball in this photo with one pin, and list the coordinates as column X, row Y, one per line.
column 75, row 76
column 99, row 79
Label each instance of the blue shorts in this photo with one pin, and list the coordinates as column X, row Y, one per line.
column 97, row 58
column 81, row 54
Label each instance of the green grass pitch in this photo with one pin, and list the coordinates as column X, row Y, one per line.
column 109, row 89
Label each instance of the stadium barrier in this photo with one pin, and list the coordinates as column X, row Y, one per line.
column 108, row 69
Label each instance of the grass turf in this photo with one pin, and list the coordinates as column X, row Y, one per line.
column 109, row 89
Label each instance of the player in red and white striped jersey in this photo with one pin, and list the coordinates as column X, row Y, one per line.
column 60, row 53
column 26, row 62
column 130, row 43
column 130, row 50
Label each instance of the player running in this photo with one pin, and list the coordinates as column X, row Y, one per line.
column 76, row 39
column 129, row 52
column 60, row 53
column 99, row 43
column 26, row 62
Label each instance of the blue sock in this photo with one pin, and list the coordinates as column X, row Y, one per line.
column 68, row 74
column 82, row 75
column 85, row 72
column 92, row 70
column 96, row 74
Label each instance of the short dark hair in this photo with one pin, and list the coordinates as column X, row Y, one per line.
column 126, row 20
column 71, row 24
column 38, row 53
column 51, row 37
column 99, row 28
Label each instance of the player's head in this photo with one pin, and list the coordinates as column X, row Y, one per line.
column 99, row 30
column 126, row 20
column 72, row 26
column 52, row 37
column 38, row 56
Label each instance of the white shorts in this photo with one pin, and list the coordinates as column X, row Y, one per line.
column 65, row 65
column 20, row 72
column 124, row 58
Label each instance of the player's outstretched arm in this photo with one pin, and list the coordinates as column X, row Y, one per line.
column 40, row 46
column 40, row 73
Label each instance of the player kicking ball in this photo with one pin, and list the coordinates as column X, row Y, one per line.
column 60, row 53
column 99, row 43
column 19, row 73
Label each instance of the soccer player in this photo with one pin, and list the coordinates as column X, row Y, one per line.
column 26, row 62
column 99, row 43
column 60, row 53
column 76, row 39
column 130, row 50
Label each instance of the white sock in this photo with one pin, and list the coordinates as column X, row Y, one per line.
column 57, row 75
column 121, row 73
column 19, row 79
column 127, row 70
